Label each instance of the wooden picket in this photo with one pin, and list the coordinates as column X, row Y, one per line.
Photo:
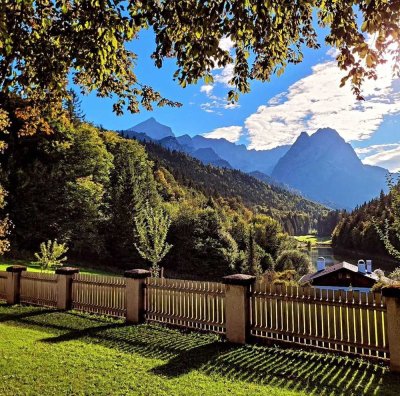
column 191, row 304
column 3, row 285
column 99, row 294
column 350, row 322
column 39, row 289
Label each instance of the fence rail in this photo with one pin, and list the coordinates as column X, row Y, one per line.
column 3, row 285
column 99, row 294
column 39, row 289
column 197, row 305
column 349, row 322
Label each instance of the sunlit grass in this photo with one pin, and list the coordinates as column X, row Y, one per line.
column 4, row 263
column 313, row 239
column 49, row 352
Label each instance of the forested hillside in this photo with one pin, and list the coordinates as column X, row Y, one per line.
column 70, row 181
column 357, row 231
column 296, row 214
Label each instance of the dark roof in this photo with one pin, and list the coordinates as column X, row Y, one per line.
column 337, row 267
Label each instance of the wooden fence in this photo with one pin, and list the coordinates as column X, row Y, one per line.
column 358, row 323
column 197, row 305
column 39, row 288
column 99, row 294
column 351, row 322
column 3, row 285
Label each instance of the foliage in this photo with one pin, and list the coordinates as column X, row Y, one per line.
column 370, row 228
column 295, row 214
column 51, row 255
column 43, row 41
column 86, row 186
column 152, row 225
column 293, row 260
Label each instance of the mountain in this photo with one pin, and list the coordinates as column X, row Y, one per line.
column 152, row 128
column 224, row 153
column 237, row 154
column 296, row 214
column 325, row 168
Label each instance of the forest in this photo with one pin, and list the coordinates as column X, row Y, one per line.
column 359, row 230
column 70, row 181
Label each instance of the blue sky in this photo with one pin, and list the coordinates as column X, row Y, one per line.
column 304, row 98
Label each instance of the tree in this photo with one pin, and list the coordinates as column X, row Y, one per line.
column 43, row 41
column 152, row 225
column 293, row 260
column 73, row 107
column 384, row 234
column 252, row 260
column 50, row 255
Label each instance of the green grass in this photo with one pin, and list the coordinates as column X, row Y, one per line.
column 46, row 352
column 313, row 239
column 4, row 263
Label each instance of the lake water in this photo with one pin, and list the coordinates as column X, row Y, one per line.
column 332, row 258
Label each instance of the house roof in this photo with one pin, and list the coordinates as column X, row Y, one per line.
column 337, row 267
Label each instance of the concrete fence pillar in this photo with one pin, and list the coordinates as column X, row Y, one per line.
column 392, row 296
column 237, row 307
column 135, row 285
column 13, row 283
column 64, row 287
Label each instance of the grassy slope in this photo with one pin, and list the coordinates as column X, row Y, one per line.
column 4, row 263
column 47, row 352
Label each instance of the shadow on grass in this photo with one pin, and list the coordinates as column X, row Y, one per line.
column 182, row 352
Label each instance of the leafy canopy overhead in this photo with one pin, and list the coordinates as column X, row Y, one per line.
column 42, row 41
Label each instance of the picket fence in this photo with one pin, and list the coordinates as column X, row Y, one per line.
column 338, row 321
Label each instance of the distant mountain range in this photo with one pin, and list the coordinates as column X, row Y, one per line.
column 322, row 167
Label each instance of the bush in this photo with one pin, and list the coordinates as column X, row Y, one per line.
column 50, row 255
column 293, row 260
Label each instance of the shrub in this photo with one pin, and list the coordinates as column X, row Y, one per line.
column 50, row 255
column 293, row 260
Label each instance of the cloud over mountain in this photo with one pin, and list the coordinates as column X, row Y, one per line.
column 317, row 101
column 231, row 133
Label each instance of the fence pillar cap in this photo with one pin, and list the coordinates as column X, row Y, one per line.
column 67, row 270
column 16, row 268
column 239, row 279
column 391, row 291
column 137, row 274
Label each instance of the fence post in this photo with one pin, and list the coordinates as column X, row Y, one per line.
column 135, row 282
column 13, row 283
column 64, row 286
column 237, row 307
column 392, row 295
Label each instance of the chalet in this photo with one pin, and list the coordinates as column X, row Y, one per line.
column 342, row 276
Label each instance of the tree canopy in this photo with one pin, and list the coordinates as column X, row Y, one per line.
column 43, row 41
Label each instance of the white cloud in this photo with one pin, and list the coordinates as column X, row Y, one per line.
column 317, row 101
column 231, row 133
column 222, row 76
column 226, row 44
column 385, row 155
column 225, row 75
column 375, row 149
column 207, row 89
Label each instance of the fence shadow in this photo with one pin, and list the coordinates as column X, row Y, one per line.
column 183, row 352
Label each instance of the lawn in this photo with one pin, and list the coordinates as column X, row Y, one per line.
column 46, row 352
column 313, row 239
column 4, row 263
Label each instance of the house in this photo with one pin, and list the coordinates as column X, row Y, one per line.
column 342, row 276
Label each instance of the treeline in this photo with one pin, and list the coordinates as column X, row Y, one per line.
column 357, row 230
column 70, row 181
column 296, row 214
